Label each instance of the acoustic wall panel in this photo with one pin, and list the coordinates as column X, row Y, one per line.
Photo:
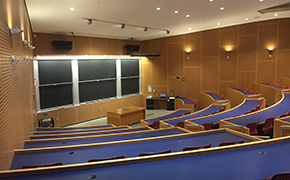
column 245, row 79
column 98, row 46
column 159, row 45
column 247, row 53
column 192, row 82
column 82, row 45
column 228, row 66
column 209, row 74
column 113, row 47
column 210, row 43
column 284, row 35
column 159, row 70
column 192, row 42
column 175, row 59
column 283, row 61
column 248, row 29
column 267, row 39
column 266, row 72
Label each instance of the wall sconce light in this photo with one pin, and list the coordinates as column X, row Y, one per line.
column 187, row 51
column 228, row 53
column 26, row 42
column 270, row 52
column 14, row 61
column 15, row 31
column 31, row 47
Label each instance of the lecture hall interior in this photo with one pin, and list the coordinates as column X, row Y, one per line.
column 218, row 70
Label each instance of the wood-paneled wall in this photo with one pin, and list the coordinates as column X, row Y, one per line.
column 17, row 107
column 206, row 67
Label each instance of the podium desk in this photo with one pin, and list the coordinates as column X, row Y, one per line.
column 126, row 115
column 160, row 103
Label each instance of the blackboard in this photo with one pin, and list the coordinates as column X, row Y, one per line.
column 97, row 90
column 53, row 96
column 130, row 86
column 129, row 68
column 96, row 69
column 51, row 72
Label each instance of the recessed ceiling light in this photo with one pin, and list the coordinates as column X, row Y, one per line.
column 158, row 8
column 222, row 8
column 275, row 14
column 218, row 24
column 187, row 15
column 189, row 28
column 261, row 0
column 211, row 0
column 175, row 12
column 72, row 9
column 247, row 19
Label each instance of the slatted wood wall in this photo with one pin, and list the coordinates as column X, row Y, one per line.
column 17, row 108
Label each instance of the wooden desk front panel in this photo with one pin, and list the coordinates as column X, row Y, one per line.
column 126, row 118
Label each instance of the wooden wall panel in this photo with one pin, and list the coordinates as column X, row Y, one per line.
column 82, row 45
column 210, row 43
column 245, row 79
column 175, row 39
column 112, row 47
column 267, row 39
column 192, row 83
column 159, row 70
column 248, row 29
column 177, row 85
column 146, row 73
column 159, row 45
column 16, row 107
column 98, row 46
column 283, row 64
column 209, row 74
column 284, row 35
column 192, row 42
column 228, row 67
column 175, row 59
column 266, row 72
column 229, row 37
column 247, row 53
column 43, row 42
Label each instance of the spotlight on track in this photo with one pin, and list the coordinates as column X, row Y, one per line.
column 167, row 31
column 89, row 21
column 145, row 29
column 123, row 26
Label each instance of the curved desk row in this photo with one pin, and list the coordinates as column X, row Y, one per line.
column 129, row 148
column 244, row 107
column 74, row 128
column 134, row 133
column 254, row 160
column 73, row 134
column 277, row 109
column 179, row 112
column 78, row 130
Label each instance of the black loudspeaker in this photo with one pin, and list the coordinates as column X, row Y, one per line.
column 62, row 45
column 132, row 48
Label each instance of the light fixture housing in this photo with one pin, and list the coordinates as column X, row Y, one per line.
column 14, row 61
column 15, row 31
column 187, row 51
column 146, row 29
column 167, row 31
column 89, row 22
column 26, row 42
column 270, row 51
column 123, row 26
column 228, row 50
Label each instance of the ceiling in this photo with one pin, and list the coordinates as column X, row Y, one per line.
column 55, row 16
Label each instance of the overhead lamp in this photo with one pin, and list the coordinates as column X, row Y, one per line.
column 270, row 50
column 15, row 31
column 123, row 26
column 228, row 50
column 145, row 29
column 26, row 42
column 167, row 31
column 89, row 22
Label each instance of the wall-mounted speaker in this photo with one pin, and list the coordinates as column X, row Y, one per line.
column 62, row 45
column 132, row 48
